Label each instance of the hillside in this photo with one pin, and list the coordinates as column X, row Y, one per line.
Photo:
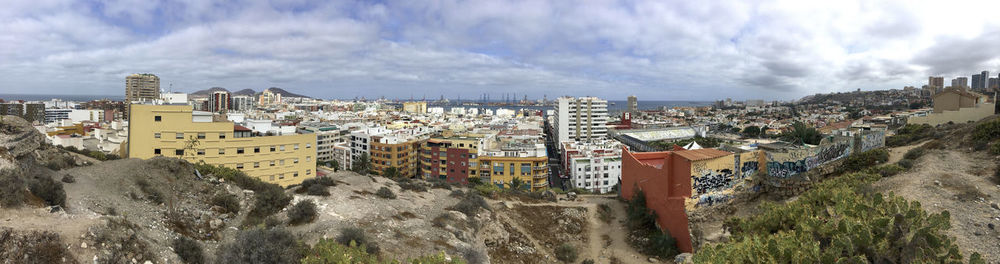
column 207, row 92
column 285, row 93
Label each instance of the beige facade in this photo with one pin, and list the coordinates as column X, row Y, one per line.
column 952, row 99
column 415, row 107
column 177, row 131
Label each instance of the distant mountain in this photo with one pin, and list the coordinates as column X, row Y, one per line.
column 207, row 92
column 285, row 93
column 244, row 92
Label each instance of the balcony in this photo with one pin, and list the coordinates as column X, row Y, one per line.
column 540, row 185
column 540, row 176
column 541, row 167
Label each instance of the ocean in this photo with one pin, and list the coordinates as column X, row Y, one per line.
column 64, row 97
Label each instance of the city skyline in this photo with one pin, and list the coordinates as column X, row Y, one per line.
column 656, row 51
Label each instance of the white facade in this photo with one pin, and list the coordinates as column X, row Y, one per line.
column 593, row 166
column 581, row 119
column 174, row 98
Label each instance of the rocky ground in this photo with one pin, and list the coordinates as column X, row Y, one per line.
column 957, row 181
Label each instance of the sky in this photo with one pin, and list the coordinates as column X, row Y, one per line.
column 655, row 50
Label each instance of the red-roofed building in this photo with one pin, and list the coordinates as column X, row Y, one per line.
column 677, row 181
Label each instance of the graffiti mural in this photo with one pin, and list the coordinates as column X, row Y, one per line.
column 748, row 169
column 712, row 181
column 872, row 140
column 832, row 153
column 712, row 199
column 786, row 169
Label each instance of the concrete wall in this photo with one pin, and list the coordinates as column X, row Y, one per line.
column 667, row 187
column 963, row 115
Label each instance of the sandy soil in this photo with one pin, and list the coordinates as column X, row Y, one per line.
column 958, row 182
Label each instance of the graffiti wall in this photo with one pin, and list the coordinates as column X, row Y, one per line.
column 712, row 181
column 872, row 140
column 785, row 165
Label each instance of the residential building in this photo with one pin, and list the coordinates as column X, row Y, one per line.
column 396, row 151
column 453, row 159
column 415, row 107
column 594, row 166
column 177, row 131
column 977, row 82
column 14, row 109
column 953, row 99
column 34, row 112
column 74, row 115
column 267, row 97
column 633, row 104
column 959, row 82
column 580, row 119
column 244, row 103
column 220, row 101
column 142, row 87
column 984, row 79
column 993, row 84
column 936, row 83
column 174, row 98
column 514, row 154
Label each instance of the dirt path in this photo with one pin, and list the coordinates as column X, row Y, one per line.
column 896, row 154
column 958, row 182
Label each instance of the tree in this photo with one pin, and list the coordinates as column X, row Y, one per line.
column 391, row 172
column 362, row 164
column 751, row 131
column 516, row 184
column 802, row 134
column 336, row 165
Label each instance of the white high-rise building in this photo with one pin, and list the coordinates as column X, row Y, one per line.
column 581, row 119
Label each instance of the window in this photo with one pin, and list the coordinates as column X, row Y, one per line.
column 308, row 145
column 222, row 135
column 179, row 152
column 156, row 151
column 295, row 174
column 295, row 161
column 239, row 166
column 281, row 162
column 201, row 135
column 282, row 147
column 308, row 172
column 308, row 158
column 256, row 149
column 157, row 118
column 272, row 163
column 156, row 135
column 222, row 151
column 272, row 148
column 272, row 177
column 256, row 164
column 239, row 150
column 201, row 152
column 296, row 146
column 179, row 136
column 281, row 175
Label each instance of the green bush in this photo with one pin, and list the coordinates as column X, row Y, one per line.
column 49, row 190
column 328, row 251
column 318, row 190
column 566, row 253
column 835, row 221
column 470, row 204
column 384, row 192
column 910, row 133
column 11, row 188
column 886, row 170
column 987, row 131
column 261, row 246
column 353, row 236
column 860, row 161
column 302, row 212
column 905, row 163
column 269, row 198
column 914, row 154
column 412, row 185
column 587, row 261
column 995, row 149
column 644, row 235
column 188, row 250
column 227, row 201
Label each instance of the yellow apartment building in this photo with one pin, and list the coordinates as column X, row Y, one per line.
column 177, row 131
column 501, row 170
column 390, row 152
column 415, row 107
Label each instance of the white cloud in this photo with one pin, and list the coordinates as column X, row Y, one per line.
column 674, row 50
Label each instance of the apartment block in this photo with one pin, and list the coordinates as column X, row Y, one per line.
column 595, row 166
column 220, row 101
column 415, row 107
column 142, row 87
column 514, row 154
column 177, row 131
column 396, row 151
column 580, row 119
column 452, row 159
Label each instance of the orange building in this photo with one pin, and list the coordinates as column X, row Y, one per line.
column 681, row 180
column 389, row 152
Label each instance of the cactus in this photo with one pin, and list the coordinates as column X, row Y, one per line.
column 835, row 222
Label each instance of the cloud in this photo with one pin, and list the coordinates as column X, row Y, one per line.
column 654, row 49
